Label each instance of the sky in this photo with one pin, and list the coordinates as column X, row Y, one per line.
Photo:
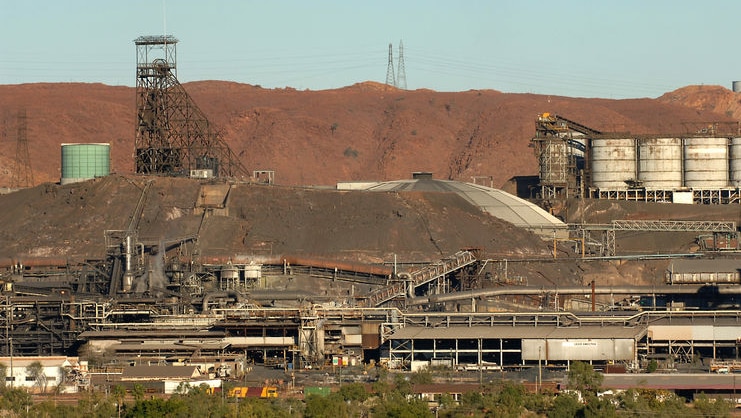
column 574, row 48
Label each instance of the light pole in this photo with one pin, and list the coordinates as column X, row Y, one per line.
column 539, row 383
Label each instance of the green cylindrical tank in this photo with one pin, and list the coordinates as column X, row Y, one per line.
column 82, row 162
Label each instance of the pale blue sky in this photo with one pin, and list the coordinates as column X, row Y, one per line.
column 577, row 48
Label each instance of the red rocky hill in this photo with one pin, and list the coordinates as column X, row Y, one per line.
column 367, row 131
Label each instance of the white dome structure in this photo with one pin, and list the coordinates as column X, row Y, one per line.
column 497, row 203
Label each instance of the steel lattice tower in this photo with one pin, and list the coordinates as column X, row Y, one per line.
column 390, row 79
column 401, row 75
column 22, row 175
column 173, row 136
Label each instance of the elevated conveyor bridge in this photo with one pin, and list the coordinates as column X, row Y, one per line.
column 436, row 270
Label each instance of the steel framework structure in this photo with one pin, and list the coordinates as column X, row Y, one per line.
column 173, row 136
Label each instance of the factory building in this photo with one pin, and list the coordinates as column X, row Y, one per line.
column 529, row 339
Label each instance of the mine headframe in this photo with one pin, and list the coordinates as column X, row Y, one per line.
column 173, row 136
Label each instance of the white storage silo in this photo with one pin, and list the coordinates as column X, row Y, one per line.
column 706, row 163
column 613, row 162
column 660, row 163
column 735, row 162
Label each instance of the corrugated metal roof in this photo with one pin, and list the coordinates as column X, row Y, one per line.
column 673, row 381
column 46, row 361
column 159, row 372
column 704, row 266
column 150, row 346
column 509, row 332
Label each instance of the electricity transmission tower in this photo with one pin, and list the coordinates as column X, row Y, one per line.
column 390, row 79
column 22, row 173
column 400, row 80
column 401, row 75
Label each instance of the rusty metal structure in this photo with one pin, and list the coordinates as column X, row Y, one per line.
column 22, row 174
column 173, row 136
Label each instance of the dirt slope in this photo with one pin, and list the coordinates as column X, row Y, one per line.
column 258, row 222
column 365, row 131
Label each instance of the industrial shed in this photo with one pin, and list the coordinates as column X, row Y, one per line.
column 584, row 344
column 686, row 338
column 516, row 344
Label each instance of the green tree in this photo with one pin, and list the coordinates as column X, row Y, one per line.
column 158, row 407
column 584, row 379
column 95, row 405
column 16, row 400
column 119, row 394
column 566, row 405
column 402, row 384
column 510, row 400
column 35, row 372
column 421, row 377
column 3, row 374
column 138, row 392
column 325, row 406
column 353, row 392
column 711, row 407
column 399, row 406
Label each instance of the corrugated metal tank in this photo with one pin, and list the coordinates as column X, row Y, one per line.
column 735, row 162
column 613, row 162
column 706, row 163
column 82, row 162
column 660, row 163
column 553, row 162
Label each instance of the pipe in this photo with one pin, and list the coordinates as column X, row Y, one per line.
column 128, row 253
column 593, row 298
column 573, row 290
column 208, row 297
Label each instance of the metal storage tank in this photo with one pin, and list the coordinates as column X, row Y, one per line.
column 253, row 271
column 660, row 163
column 706, row 163
column 613, row 162
column 82, row 162
column 736, row 86
column 735, row 162
column 553, row 162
